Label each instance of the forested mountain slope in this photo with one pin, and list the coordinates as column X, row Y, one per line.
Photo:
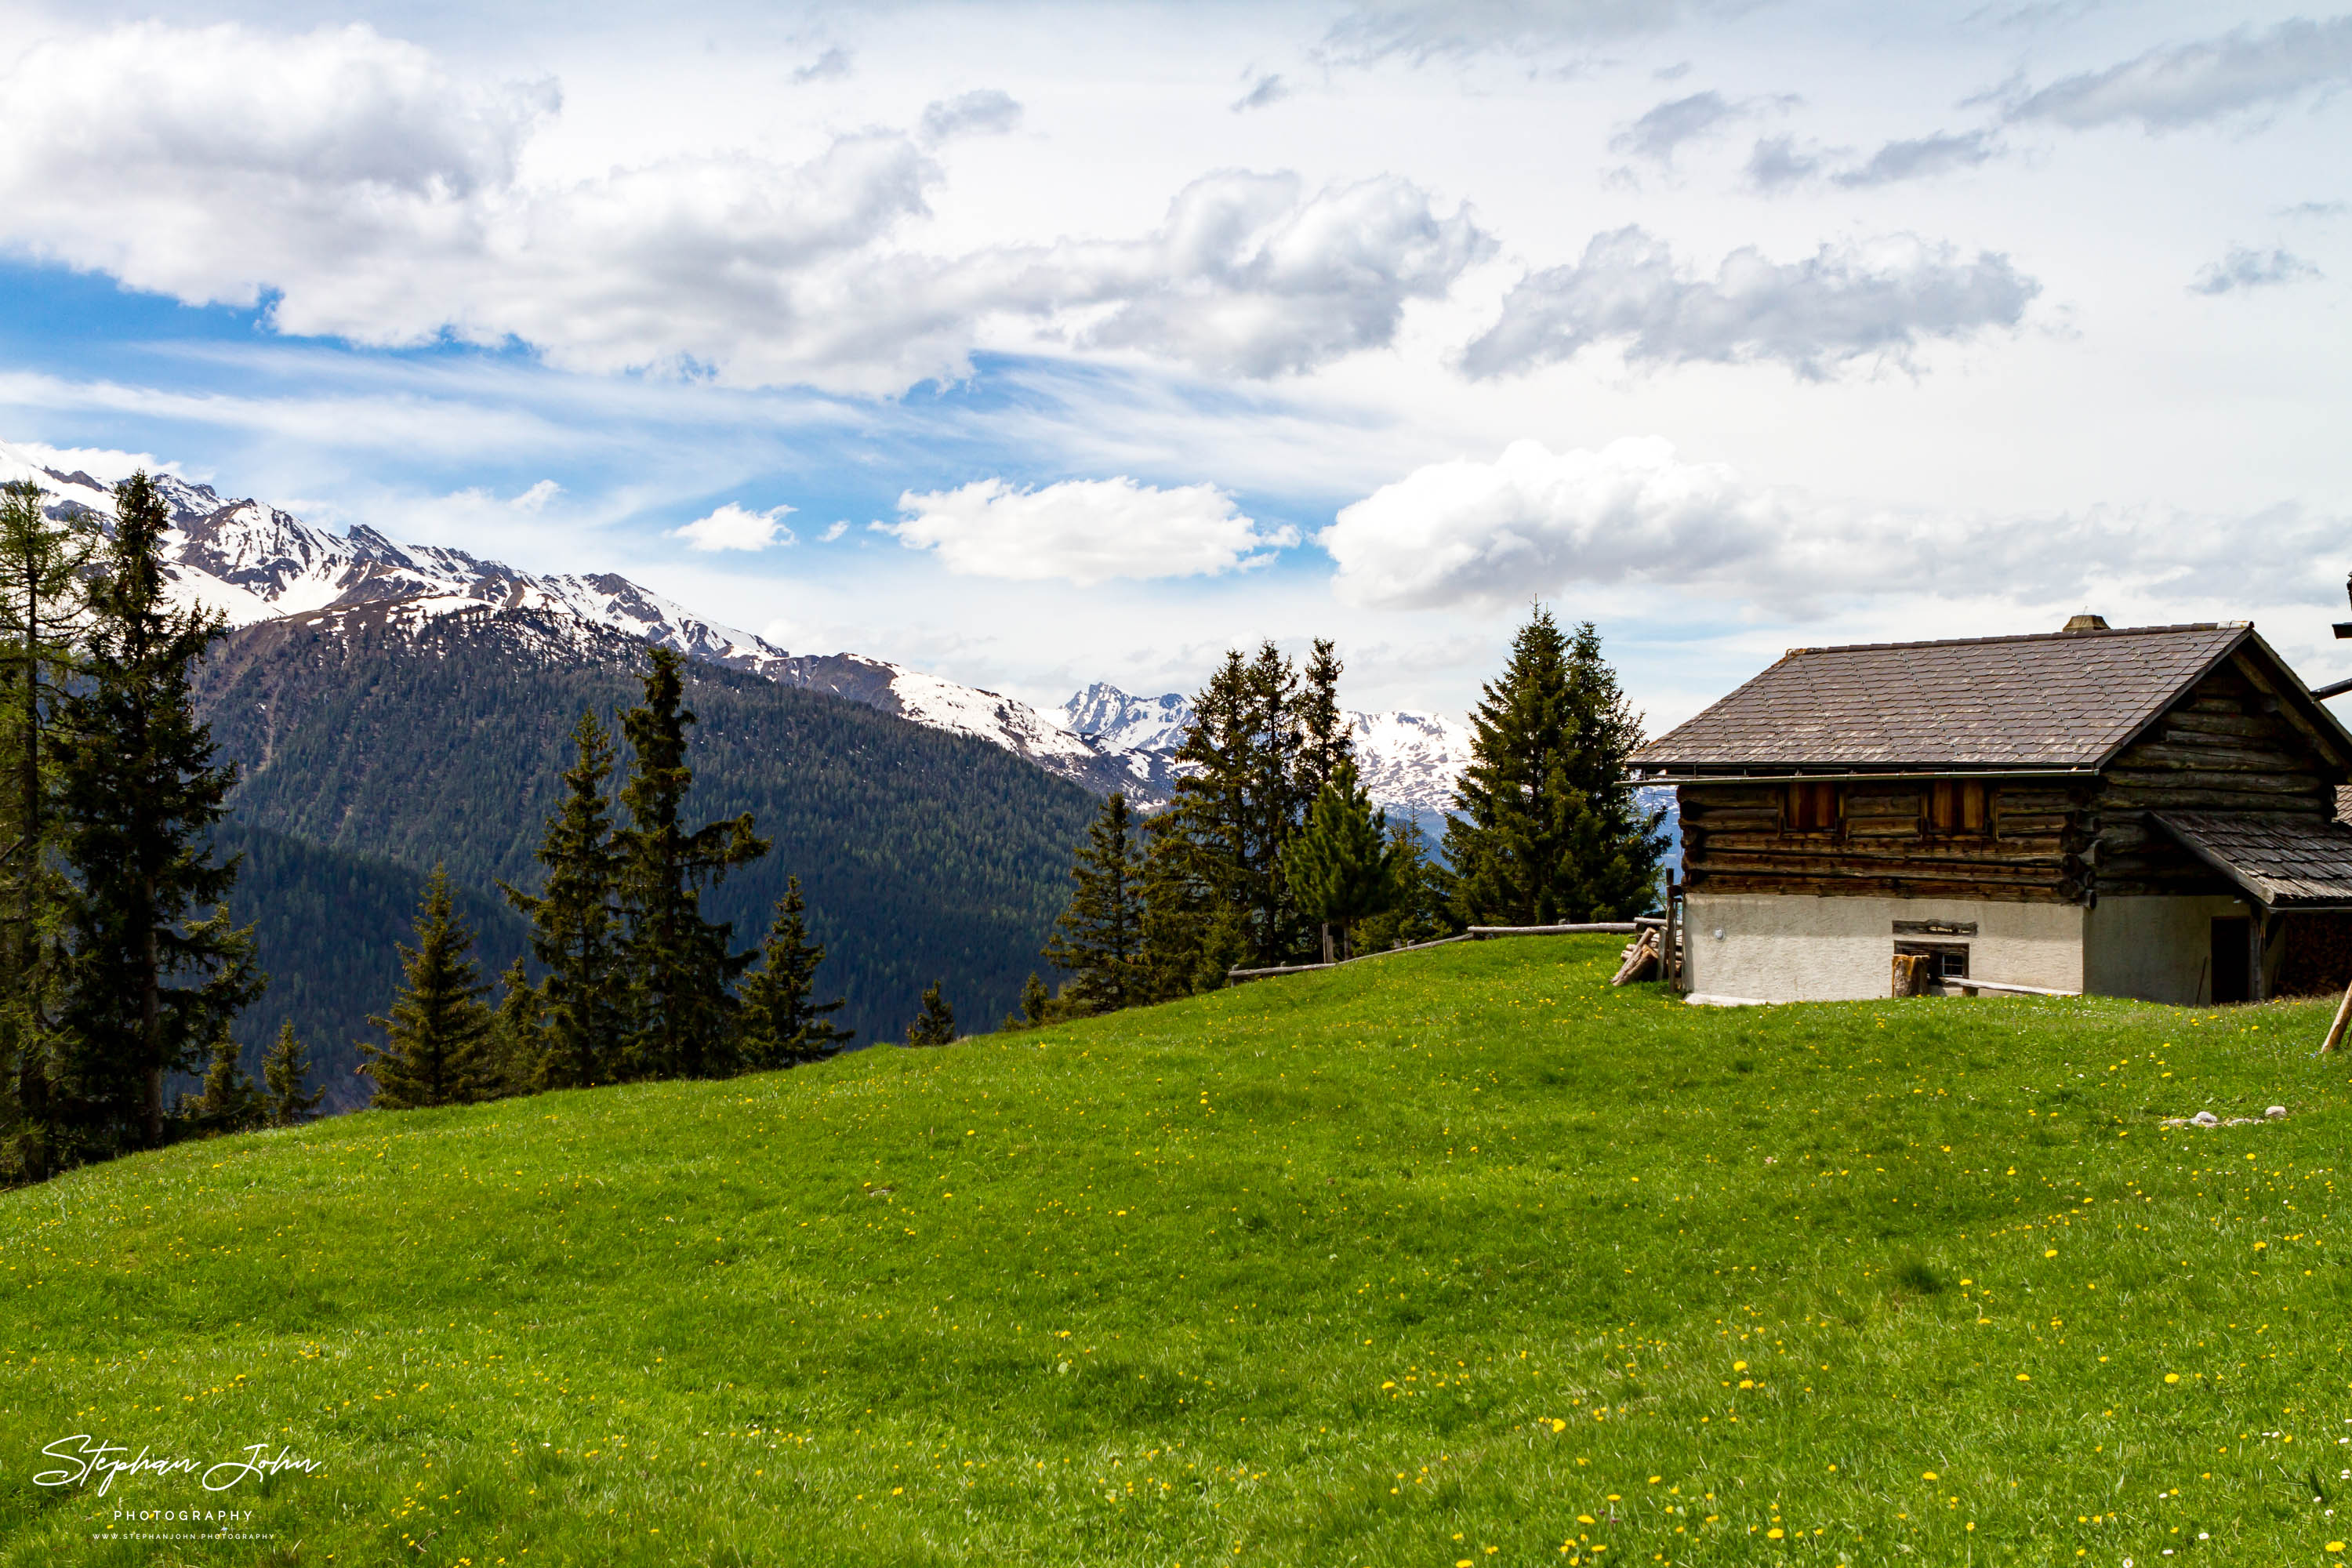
column 411, row 738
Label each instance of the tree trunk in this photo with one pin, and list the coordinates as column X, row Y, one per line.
column 151, row 1024
column 1327, row 957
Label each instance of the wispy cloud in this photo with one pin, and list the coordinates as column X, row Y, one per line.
column 1840, row 304
column 2189, row 84
column 1266, row 90
column 2246, row 268
column 988, row 112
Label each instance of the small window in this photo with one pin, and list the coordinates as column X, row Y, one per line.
column 1956, row 805
column 1946, row 959
column 1813, row 807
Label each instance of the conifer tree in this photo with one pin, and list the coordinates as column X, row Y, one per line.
column 1325, row 738
column 1423, row 911
column 1036, row 1006
column 284, row 1101
column 1099, row 938
column 437, row 1034
column 935, row 1025
column 779, row 1022
column 575, row 923
column 680, row 972
column 1546, row 829
column 149, row 987
column 516, row 1052
column 230, row 1103
column 1341, row 867
column 40, row 567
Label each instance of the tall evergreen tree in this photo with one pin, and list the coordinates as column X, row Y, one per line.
column 1341, row 867
column 40, row 567
column 680, row 971
column 437, row 1034
column 1036, row 1006
column 935, row 1025
column 575, row 923
column 779, row 1022
column 1098, row 940
column 1546, row 828
column 150, row 987
column 1325, row 737
column 284, row 1100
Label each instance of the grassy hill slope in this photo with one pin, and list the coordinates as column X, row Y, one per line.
column 1457, row 1256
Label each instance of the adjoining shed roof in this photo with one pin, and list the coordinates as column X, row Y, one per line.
column 2053, row 701
column 2284, row 860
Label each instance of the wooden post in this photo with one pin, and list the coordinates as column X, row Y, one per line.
column 2254, row 957
column 2335, row 1030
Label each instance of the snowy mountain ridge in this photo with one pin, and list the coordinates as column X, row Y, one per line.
column 1405, row 759
column 252, row 562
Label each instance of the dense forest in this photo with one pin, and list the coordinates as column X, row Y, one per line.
column 374, row 743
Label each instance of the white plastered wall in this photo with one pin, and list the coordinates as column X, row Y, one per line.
column 1800, row 948
column 2154, row 949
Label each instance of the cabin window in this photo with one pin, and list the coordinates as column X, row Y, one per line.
column 1813, row 808
column 1956, row 806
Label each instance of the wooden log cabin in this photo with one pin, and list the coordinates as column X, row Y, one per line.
column 2149, row 812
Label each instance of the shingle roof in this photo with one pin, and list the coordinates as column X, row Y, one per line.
column 2284, row 860
column 2057, row 700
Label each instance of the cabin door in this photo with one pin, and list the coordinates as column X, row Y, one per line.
column 2231, row 939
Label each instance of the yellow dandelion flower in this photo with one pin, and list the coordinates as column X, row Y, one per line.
column 2172, row 1377
column 1773, row 1534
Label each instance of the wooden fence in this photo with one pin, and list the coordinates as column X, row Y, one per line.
column 1476, row 933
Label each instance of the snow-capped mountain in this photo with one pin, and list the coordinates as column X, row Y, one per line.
column 1405, row 759
column 254, row 563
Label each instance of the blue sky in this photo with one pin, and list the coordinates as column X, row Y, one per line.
column 1083, row 341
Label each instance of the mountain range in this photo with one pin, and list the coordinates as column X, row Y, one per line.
column 253, row 563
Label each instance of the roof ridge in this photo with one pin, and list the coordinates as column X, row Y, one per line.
column 2029, row 637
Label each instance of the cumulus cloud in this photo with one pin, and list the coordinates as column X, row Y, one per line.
column 1483, row 534
column 1657, row 134
column 1267, row 90
column 2246, row 268
column 1842, row 303
column 1084, row 530
column 1921, row 157
column 733, row 528
column 986, row 113
column 354, row 187
column 2189, row 84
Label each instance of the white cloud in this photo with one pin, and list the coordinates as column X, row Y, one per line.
column 368, row 195
column 732, row 528
column 1086, row 531
column 833, row 532
column 1922, row 157
column 1423, row 30
column 2244, row 267
column 1266, row 90
column 1470, row 533
column 830, row 66
column 1657, row 134
column 988, row 112
column 2187, row 84
column 1840, row 304
column 536, row 498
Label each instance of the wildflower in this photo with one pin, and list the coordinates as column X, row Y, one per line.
column 2172, row 1377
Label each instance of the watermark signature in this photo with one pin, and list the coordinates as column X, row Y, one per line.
column 85, row 1455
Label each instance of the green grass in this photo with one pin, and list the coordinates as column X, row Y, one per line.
column 1457, row 1256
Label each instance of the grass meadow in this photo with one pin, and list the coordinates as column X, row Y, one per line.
column 1460, row 1258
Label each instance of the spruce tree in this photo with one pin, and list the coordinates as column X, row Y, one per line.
column 284, row 1101
column 778, row 1022
column 437, row 1034
column 1423, row 911
column 1192, row 869
column 1325, row 738
column 40, row 567
column 150, row 988
column 935, row 1025
column 230, row 1103
column 1546, row 829
column 575, row 930
column 517, row 1053
column 1099, row 938
column 1036, row 1006
column 680, row 971
column 1341, row 867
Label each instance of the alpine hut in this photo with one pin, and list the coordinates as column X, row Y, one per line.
column 2141, row 811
